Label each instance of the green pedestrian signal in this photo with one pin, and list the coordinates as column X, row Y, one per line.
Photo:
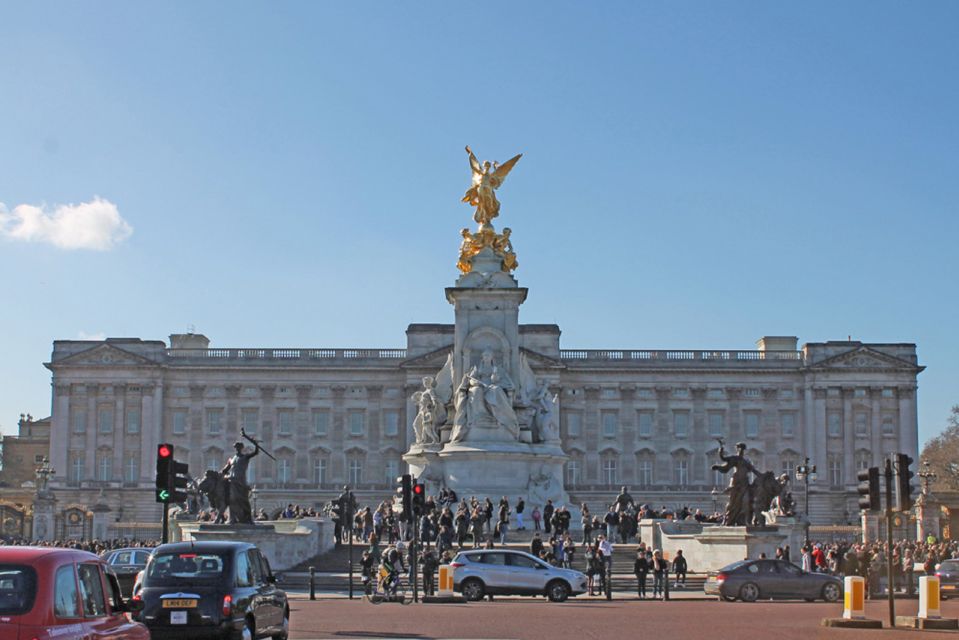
column 163, row 495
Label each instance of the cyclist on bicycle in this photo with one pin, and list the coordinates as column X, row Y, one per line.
column 392, row 564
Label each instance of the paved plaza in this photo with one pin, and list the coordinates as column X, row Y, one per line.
column 584, row 618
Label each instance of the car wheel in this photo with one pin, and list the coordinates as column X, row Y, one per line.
column 285, row 627
column 473, row 590
column 749, row 592
column 830, row 592
column 557, row 591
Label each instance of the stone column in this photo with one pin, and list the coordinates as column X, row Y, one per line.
column 591, row 427
column 196, row 429
column 809, row 424
column 60, row 428
column 663, row 437
column 231, row 413
column 90, row 462
column 771, row 432
column 627, row 432
column 119, row 428
column 908, row 425
column 151, row 429
column 268, row 421
column 927, row 517
column 301, row 437
column 337, row 438
column 848, row 435
column 374, row 458
column 875, row 421
column 820, row 440
column 700, row 438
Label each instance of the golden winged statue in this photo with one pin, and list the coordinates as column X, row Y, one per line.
column 487, row 178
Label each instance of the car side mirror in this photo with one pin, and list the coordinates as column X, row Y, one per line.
column 540, row 567
column 272, row 579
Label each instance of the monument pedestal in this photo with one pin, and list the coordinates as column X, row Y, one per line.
column 493, row 469
column 285, row 543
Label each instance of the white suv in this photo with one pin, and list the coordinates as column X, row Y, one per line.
column 503, row 572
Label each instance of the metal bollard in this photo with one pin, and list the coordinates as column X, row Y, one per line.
column 312, row 583
column 929, row 597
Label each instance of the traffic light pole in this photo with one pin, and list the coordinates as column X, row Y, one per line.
column 165, row 534
column 890, row 586
column 416, row 537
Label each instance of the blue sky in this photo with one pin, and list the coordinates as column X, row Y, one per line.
column 696, row 175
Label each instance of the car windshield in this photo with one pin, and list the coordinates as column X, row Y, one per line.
column 949, row 565
column 18, row 587
column 184, row 569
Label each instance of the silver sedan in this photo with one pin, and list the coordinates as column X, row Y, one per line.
column 487, row 572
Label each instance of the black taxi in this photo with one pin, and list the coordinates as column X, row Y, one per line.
column 222, row 590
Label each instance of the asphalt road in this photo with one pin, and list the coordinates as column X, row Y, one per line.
column 583, row 619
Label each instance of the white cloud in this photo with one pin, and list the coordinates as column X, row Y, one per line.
column 93, row 225
column 99, row 336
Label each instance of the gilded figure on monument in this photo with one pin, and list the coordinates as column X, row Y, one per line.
column 487, row 178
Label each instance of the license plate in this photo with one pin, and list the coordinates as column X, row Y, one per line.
column 178, row 617
column 948, row 587
column 181, row 603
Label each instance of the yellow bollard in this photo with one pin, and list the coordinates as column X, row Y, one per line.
column 929, row 597
column 854, row 600
column 445, row 586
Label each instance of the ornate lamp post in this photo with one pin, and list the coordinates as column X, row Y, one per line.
column 715, row 493
column 806, row 473
column 927, row 476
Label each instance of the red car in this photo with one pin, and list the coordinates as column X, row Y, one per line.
column 48, row 593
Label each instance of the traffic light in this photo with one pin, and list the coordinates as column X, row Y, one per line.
column 406, row 495
column 179, row 481
column 869, row 489
column 903, row 485
column 164, row 462
column 419, row 499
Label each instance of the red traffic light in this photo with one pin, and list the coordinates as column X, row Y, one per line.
column 418, row 489
column 164, row 451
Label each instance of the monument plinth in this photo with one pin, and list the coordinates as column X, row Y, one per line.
column 486, row 425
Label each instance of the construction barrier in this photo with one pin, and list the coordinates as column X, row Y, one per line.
column 445, row 586
column 929, row 597
column 854, row 600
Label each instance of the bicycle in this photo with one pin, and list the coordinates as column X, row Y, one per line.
column 383, row 591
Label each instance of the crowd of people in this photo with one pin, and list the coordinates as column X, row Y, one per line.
column 94, row 546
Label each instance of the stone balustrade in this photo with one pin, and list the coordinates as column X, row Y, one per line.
column 287, row 354
column 685, row 356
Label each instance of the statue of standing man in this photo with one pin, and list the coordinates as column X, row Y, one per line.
column 739, row 507
column 235, row 472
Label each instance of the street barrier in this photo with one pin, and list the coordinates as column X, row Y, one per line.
column 929, row 597
column 445, row 585
column 854, row 600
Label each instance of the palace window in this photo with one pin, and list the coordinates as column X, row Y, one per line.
column 752, row 424
column 834, row 424
column 719, row 478
column 179, row 422
column 682, row 471
column 133, row 421
column 645, row 472
column 572, row 473
column 131, row 468
column 79, row 422
column 392, row 472
column 716, row 427
column 888, row 425
column 645, row 420
column 321, row 422
column 862, row 423
column 355, row 472
column 788, row 422
column 888, row 393
column 284, row 470
column 391, row 425
column 214, row 421
column 716, row 393
column 105, row 420
column 76, row 468
column 213, row 459
column 284, row 418
column 574, row 424
column 105, row 467
column 609, row 424
column 863, row 460
column 356, row 423
column 788, row 466
column 859, row 393
column 835, row 471
column 251, row 420
column 609, row 471
column 319, row 470
column 680, row 423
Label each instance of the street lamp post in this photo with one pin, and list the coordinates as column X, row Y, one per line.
column 715, row 495
column 806, row 473
column 927, row 476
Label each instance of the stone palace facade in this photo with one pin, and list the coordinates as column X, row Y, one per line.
column 644, row 418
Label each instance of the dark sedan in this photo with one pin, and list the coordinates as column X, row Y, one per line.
column 125, row 564
column 212, row 590
column 948, row 573
column 751, row 580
